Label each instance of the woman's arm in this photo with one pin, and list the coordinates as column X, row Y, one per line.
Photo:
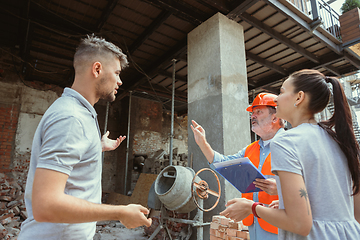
column 296, row 217
column 357, row 207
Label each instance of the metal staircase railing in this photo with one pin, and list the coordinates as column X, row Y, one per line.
column 321, row 14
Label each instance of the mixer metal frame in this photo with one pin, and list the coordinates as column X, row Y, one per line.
column 196, row 222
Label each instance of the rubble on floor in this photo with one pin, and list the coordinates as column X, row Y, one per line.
column 12, row 207
column 179, row 231
column 115, row 230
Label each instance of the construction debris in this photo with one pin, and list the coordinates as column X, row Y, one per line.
column 111, row 230
column 222, row 228
column 160, row 160
column 179, row 231
column 12, row 207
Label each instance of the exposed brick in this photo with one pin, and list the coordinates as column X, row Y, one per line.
column 9, row 215
column 224, row 221
column 234, row 238
column 219, row 234
column 23, row 214
column 214, row 225
column 214, row 238
column 231, row 232
column 243, row 234
column 13, row 204
column 6, row 220
column 8, row 130
column 16, row 210
column 3, row 231
column 5, row 198
column 222, row 228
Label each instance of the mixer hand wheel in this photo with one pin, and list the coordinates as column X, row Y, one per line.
column 201, row 189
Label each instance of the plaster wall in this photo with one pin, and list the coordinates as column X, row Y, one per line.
column 150, row 129
column 32, row 104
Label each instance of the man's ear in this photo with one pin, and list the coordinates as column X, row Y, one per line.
column 274, row 118
column 96, row 69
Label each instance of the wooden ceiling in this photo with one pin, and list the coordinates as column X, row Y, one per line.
column 39, row 38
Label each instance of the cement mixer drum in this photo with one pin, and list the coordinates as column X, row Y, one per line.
column 180, row 189
column 173, row 187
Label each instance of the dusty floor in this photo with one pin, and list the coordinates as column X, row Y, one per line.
column 116, row 231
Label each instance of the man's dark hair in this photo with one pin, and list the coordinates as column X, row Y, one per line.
column 97, row 46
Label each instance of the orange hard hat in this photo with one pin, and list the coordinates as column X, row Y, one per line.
column 263, row 99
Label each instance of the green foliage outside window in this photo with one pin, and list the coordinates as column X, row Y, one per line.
column 349, row 5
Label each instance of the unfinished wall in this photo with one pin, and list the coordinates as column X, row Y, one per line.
column 149, row 131
column 8, row 121
column 152, row 128
column 21, row 108
column 111, row 158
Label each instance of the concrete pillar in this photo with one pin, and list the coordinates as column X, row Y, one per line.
column 217, row 97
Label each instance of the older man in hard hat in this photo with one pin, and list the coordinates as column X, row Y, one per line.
column 265, row 124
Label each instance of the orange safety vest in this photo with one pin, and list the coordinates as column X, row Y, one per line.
column 253, row 153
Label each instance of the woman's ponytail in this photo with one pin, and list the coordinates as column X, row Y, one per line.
column 344, row 135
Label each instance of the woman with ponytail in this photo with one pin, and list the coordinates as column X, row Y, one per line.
column 317, row 164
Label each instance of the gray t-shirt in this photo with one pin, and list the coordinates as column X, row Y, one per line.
column 67, row 140
column 309, row 151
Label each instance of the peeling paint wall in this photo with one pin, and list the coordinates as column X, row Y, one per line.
column 151, row 128
column 32, row 104
column 149, row 131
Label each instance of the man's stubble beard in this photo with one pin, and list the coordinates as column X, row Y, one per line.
column 109, row 97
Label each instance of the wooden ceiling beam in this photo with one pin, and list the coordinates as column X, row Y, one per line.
column 154, row 68
column 266, row 63
column 181, row 10
column 54, row 43
column 349, row 69
column 161, row 91
column 52, row 54
column 304, row 25
column 271, row 89
column 161, row 18
column 106, row 14
column 28, row 31
column 239, row 7
column 325, row 61
column 352, row 59
column 178, row 50
column 329, row 59
column 169, row 75
column 278, row 36
column 219, row 5
column 333, row 70
column 55, row 22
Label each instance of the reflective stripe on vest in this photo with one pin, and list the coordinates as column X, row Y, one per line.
column 253, row 153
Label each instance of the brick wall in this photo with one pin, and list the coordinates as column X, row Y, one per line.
column 222, row 228
column 9, row 114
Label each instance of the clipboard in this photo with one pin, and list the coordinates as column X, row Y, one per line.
column 241, row 173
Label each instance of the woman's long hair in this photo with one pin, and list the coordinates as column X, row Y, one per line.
column 314, row 83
